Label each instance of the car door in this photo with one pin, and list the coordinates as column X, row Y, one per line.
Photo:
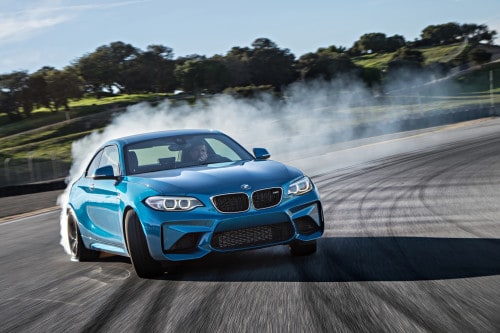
column 103, row 204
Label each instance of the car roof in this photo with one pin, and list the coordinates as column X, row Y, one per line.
column 152, row 135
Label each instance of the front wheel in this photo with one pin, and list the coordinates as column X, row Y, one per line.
column 145, row 266
column 78, row 251
column 300, row 248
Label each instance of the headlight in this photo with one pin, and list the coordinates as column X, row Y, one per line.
column 171, row 204
column 301, row 186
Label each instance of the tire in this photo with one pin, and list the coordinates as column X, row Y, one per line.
column 145, row 266
column 78, row 250
column 300, row 248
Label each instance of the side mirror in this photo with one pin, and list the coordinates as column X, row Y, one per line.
column 261, row 153
column 105, row 172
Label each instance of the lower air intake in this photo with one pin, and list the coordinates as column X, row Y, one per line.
column 306, row 225
column 252, row 237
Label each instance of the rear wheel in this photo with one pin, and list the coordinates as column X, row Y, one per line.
column 145, row 266
column 300, row 248
column 78, row 251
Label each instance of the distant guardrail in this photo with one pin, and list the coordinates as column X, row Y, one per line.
column 31, row 171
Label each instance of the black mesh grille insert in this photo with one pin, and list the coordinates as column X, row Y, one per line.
column 306, row 225
column 254, row 236
column 266, row 198
column 231, row 203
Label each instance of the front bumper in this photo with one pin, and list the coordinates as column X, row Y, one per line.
column 192, row 235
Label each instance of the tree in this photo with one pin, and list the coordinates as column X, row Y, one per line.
column 199, row 75
column 394, row 43
column 325, row 65
column 217, row 76
column 162, row 51
column 307, row 65
column 237, row 63
column 189, row 74
column 102, row 69
column 452, row 32
column 264, row 43
column 150, row 71
column 332, row 49
column 373, row 42
column 15, row 95
column 8, row 105
column 270, row 65
column 120, row 54
column 63, row 86
column 95, row 71
column 478, row 33
column 447, row 33
column 39, row 88
column 377, row 42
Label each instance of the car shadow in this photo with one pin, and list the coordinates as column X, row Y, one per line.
column 346, row 259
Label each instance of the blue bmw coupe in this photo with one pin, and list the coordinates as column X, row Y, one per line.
column 172, row 196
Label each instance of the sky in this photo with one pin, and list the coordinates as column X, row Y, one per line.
column 37, row 33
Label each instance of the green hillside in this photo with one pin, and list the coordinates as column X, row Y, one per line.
column 441, row 54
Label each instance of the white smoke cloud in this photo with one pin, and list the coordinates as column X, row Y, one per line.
column 303, row 119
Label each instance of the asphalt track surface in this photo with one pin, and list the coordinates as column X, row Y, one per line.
column 412, row 244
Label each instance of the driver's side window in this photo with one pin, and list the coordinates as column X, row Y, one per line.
column 221, row 149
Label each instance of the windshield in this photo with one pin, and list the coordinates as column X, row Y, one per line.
column 176, row 152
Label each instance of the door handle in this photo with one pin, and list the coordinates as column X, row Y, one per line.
column 92, row 187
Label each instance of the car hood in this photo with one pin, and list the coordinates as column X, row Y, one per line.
column 218, row 178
